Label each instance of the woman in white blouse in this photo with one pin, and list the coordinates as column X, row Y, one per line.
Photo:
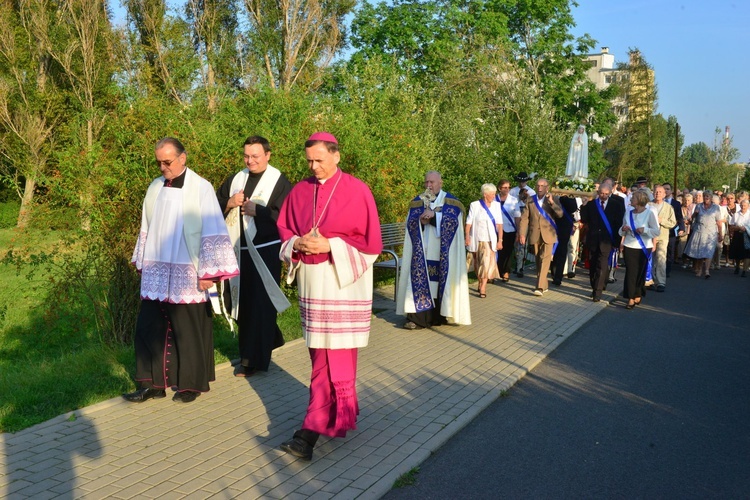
column 639, row 228
column 484, row 236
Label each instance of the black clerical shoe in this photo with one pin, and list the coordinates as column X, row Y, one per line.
column 243, row 371
column 298, row 447
column 144, row 394
column 185, row 396
column 519, row 273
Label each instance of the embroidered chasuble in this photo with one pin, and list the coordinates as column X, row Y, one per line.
column 434, row 262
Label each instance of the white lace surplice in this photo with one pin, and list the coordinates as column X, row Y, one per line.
column 167, row 272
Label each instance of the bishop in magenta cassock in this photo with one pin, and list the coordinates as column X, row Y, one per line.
column 330, row 235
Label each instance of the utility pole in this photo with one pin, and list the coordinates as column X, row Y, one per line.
column 676, row 153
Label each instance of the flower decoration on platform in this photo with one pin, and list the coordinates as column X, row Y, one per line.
column 575, row 184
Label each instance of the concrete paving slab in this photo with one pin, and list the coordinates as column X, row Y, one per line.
column 416, row 390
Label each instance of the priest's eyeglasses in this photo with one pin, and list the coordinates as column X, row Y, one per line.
column 166, row 163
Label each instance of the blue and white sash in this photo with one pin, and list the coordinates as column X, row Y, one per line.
column 505, row 212
column 646, row 251
column 546, row 216
column 613, row 252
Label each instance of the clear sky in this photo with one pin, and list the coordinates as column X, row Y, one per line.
column 698, row 50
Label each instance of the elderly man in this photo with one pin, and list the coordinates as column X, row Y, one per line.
column 667, row 220
column 251, row 201
column 182, row 249
column 433, row 288
column 603, row 217
column 538, row 218
column 522, row 192
column 330, row 235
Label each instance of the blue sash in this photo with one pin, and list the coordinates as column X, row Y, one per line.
column 423, row 271
column 570, row 219
column 549, row 219
column 646, row 251
column 606, row 221
column 612, row 253
column 505, row 212
column 486, row 209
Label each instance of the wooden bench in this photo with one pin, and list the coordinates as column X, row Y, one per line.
column 393, row 239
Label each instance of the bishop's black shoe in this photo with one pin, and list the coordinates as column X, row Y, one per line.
column 298, row 447
column 144, row 394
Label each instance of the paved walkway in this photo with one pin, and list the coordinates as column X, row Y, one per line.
column 416, row 390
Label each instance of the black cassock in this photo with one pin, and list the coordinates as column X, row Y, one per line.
column 174, row 346
column 258, row 332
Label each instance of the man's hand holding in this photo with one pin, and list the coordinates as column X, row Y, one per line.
column 312, row 244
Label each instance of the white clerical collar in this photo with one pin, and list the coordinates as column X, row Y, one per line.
column 323, row 181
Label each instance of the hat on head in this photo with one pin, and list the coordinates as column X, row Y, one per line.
column 641, row 180
column 522, row 177
column 323, row 136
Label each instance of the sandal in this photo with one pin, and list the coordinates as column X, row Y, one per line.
column 482, row 295
column 636, row 302
column 630, row 305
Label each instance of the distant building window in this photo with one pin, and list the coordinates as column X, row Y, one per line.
column 608, row 78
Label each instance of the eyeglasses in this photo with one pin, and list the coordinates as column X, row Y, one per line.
column 165, row 163
column 253, row 157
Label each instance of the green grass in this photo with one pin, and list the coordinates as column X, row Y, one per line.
column 407, row 479
column 52, row 360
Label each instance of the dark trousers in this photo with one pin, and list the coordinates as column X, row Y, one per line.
column 505, row 256
column 599, row 266
column 671, row 247
column 635, row 273
column 559, row 258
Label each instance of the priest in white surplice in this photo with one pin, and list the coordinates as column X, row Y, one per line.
column 183, row 248
column 433, row 287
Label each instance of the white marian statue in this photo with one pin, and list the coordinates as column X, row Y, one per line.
column 578, row 156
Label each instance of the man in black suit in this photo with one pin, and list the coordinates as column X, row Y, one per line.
column 601, row 239
column 676, row 231
column 564, row 230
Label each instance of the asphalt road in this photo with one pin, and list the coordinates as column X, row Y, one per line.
column 648, row 403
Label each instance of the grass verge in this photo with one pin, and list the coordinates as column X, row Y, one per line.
column 52, row 360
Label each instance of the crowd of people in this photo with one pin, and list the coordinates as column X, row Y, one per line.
column 201, row 251
column 644, row 230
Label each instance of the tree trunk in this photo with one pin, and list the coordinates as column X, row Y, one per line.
column 26, row 199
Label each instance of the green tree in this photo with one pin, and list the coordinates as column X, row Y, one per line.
column 428, row 39
column 634, row 149
column 29, row 104
column 214, row 24
column 551, row 56
column 295, row 40
column 711, row 167
column 158, row 53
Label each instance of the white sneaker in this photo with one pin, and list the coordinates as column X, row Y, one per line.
column 538, row 292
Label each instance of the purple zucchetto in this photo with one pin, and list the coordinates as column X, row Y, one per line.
column 323, row 136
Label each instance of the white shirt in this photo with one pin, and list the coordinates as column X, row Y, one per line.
column 513, row 207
